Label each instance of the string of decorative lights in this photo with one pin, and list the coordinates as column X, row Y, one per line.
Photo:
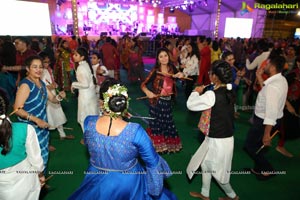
column 216, row 32
column 75, row 18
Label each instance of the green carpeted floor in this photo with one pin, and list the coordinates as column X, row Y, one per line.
column 70, row 160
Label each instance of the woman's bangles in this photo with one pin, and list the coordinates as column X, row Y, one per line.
column 58, row 97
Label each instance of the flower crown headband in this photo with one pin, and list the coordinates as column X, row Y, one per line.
column 115, row 90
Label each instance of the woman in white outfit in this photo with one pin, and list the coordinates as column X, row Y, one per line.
column 190, row 66
column 86, row 85
column 215, row 153
column 21, row 163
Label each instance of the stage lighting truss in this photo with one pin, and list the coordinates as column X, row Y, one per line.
column 189, row 5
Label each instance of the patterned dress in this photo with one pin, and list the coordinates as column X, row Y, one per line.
column 115, row 171
column 162, row 129
column 36, row 105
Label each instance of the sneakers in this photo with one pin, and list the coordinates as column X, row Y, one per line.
column 284, row 152
column 199, row 195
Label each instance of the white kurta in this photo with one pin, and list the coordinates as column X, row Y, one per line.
column 191, row 66
column 215, row 153
column 55, row 113
column 87, row 98
column 21, row 181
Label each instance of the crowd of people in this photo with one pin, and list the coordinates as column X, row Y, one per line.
column 219, row 77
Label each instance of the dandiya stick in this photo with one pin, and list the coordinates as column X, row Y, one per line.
column 66, row 128
column 262, row 146
column 141, row 117
column 145, row 97
column 297, row 115
column 57, row 91
column 164, row 73
column 129, row 116
column 203, row 85
column 16, row 110
column 207, row 85
column 48, row 178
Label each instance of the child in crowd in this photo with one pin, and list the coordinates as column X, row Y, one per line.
column 86, row 85
column 55, row 114
column 100, row 71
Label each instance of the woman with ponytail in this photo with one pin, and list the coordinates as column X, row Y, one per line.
column 116, row 148
column 86, row 85
column 21, row 163
column 215, row 153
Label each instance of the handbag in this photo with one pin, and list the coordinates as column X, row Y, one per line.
column 204, row 122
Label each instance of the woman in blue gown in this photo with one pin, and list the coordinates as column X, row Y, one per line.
column 116, row 148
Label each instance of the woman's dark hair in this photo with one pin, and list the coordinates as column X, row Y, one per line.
column 108, row 82
column 44, row 55
column 224, row 72
column 163, row 49
column 5, row 127
column 195, row 50
column 61, row 44
column 225, row 54
column 167, row 43
column 215, row 45
column 29, row 60
column 97, row 54
column 115, row 103
column 83, row 52
column 23, row 39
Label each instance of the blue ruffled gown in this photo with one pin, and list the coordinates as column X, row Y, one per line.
column 115, row 171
